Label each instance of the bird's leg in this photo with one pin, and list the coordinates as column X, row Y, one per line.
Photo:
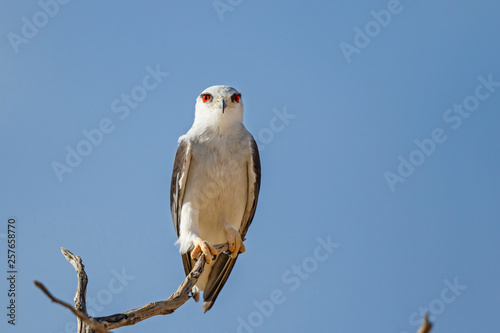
column 203, row 247
column 234, row 241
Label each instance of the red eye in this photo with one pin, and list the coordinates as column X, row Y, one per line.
column 205, row 97
column 236, row 98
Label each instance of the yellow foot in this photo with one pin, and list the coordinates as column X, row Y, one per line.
column 205, row 248
column 234, row 240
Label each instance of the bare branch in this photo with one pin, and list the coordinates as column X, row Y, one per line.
column 426, row 325
column 168, row 306
column 90, row 322
column 81, row 289
column 131, row 317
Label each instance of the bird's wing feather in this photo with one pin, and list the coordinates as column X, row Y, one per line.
column 177, row 187
column 253, row 187
column 224, row 263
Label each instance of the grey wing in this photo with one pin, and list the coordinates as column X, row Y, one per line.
column 224, row 263
column 253, row 188
column 177, row 188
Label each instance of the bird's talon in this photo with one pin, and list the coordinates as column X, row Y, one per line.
column 205, row 248
column 235, row 243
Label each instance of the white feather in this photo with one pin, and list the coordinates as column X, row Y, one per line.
column 217, row 180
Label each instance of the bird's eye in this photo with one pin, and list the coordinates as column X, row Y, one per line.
column 206, row 97
column 236, row 98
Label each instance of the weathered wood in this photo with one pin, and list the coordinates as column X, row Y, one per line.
column 88, row 324
column 81, row 289
column 426, row 325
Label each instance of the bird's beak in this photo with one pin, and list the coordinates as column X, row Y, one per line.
column 222, row 104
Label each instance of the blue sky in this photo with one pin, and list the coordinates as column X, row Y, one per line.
column 378, row 128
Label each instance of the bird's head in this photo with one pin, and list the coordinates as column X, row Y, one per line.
column 219, row 106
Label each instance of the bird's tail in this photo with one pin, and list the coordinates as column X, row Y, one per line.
column 196, row 293
column 218, row 276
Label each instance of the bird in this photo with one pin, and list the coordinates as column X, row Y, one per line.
column 214, row 188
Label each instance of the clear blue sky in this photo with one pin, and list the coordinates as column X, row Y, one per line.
column 339, row 95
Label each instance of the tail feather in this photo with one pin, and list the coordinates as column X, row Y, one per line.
column 196, row 293
column 218, row 276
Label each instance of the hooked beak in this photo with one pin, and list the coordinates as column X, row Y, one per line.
column 222, row 105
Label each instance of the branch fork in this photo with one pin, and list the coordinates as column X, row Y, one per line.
column 87, row 324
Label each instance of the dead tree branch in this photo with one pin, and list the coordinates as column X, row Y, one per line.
column 81, row 316
column 87, row 324
column 426, row 325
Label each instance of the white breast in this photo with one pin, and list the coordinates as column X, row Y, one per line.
column 216, row 189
